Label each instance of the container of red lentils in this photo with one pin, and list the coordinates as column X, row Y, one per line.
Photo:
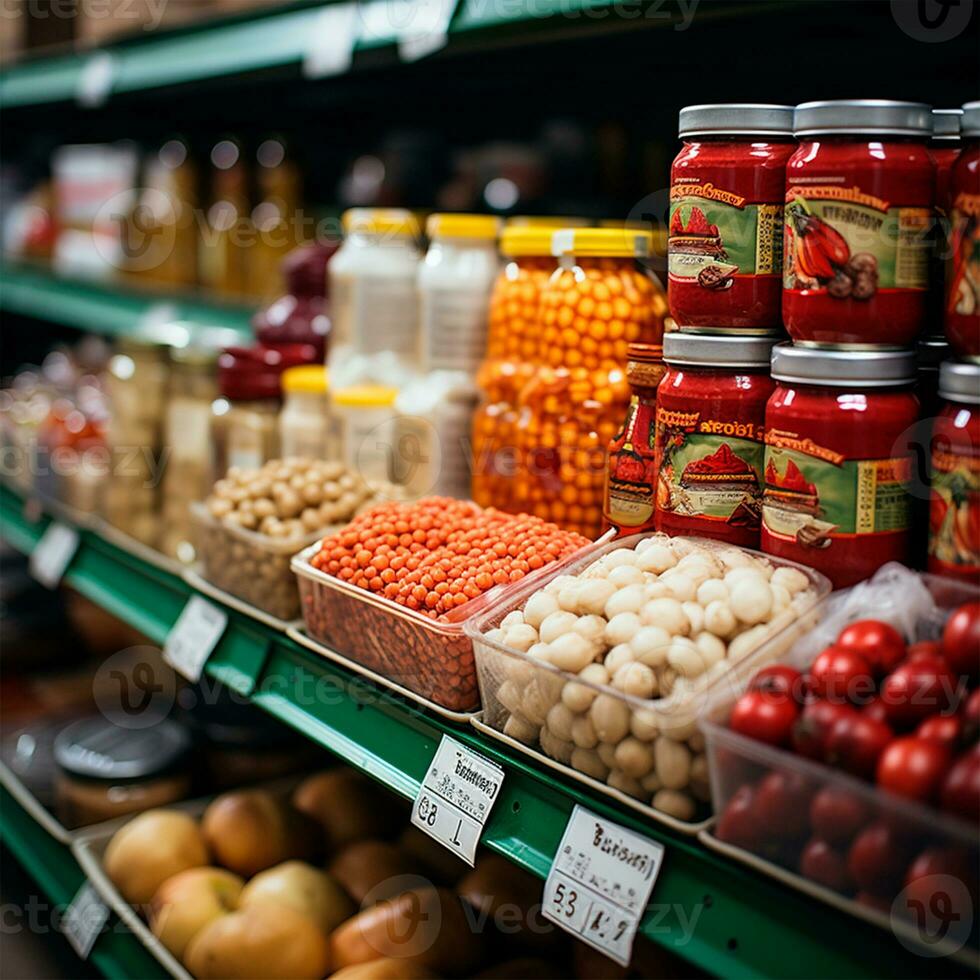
column 839, row 459
column 859, row 215
column 954, row 500
column 710, row 448
column 599, row 300
column 725, row 236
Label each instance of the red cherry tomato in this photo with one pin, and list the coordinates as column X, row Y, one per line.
column 924, row 648
column 960, row 791
column 913, row 767
column 916, row 690
column 875, row 709
column 971, row 718
column 947, row 729
column 959, row 862
column 821, row 863
column 780, row 679
column 880, row 644
column 814, row 724
column 855, row 744
column 839, row 675
column 738, row 824
column 837, row 814
column 782, row 805
column 961, row 640
column 941, row 883
column 877, row 860
column 766, row 717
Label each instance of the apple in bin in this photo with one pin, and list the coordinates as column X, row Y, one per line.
column 190, row 900
column 303, row 888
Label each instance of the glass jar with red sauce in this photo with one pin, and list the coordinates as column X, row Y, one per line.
column 859, row 217
column 962, row 319
column 631, row 469
column 954, row 501
column 724, row 244
column 711, row 407
column 944, row 148
column 839, row 459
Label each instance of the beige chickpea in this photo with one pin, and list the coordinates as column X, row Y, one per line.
column 673, row 762
column 675, row 804
column 310, row 518
column 636, row 679
column 643, row 724
column 332, row 491
column 570, row 652
column 583, row 732
column 587, row 761
column 554, row 747
column 634, row 757
column 328, row 514
column 539, row 607
column 651, row 782
column 719, row 618
column 312, row 494
column 610, row 717
column 656, row 558
column 520, row 729
column 263, row 507
column 607, row 753
column 559, row 721
column 668, row 614
column 557, row 624
column 579, row 697
column 625, row 784
column 219, row 506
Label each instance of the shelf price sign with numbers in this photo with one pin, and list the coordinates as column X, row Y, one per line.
column 194, row 636
column 600, row 882
column 454, row 801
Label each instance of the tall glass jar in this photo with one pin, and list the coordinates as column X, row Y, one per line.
column 962, row 318
column 187, row 436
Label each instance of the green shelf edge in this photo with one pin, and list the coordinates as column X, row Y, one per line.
column 117, row 953
column 112, row 308
column 751, row 926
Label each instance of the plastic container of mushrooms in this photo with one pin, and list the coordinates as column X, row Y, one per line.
column 603, row 669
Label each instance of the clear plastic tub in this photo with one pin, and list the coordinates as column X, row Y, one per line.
column 917, row 605
column 250, row 566
column 432, row 658
column 519, row 690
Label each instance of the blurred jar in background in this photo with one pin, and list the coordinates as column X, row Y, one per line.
column 221, row 255
column 304, row 422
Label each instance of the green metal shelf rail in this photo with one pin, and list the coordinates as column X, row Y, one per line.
column 109, row 308
column 117, row 953
column 738, row 923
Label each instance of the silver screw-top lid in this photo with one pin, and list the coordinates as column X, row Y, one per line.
column 736, row 119
column 970, row 122
column 843, row 368
column 863, row 117
column 959, row 382
column 946, row 124
column 718, row 350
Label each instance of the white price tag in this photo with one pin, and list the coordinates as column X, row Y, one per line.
column 194, row 636
column 53, row 554
column 330, row 48
column 84, row 919
column 456, row 797
column 600, row 883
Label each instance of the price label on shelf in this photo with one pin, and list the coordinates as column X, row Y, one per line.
column 457, row 794
column 194, row 636
column 53, row 554
column 84, row 919
column 600, row 883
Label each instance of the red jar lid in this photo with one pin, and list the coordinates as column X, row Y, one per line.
column 254, row 373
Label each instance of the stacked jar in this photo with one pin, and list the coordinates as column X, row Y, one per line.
column 599, row 300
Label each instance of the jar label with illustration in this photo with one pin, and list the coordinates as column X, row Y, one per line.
column 850, row 245
column 813, row 495
column 954, row 509
column 709, row 468
column 632, row 470
column 715, row 235
column 963, row 278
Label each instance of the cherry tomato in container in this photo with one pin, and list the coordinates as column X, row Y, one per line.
column 780, row 679
column 814, row 724
column 875, row 709
column 821, row 863
column 782, row 804
column 958, row 862
column 855, row 744
column 916, row 690
column 877, row 859
column 837, row 814
column 879, row 643
column 960, row 791
column 839, row 674
column 945, row 729
column 913, row 767
column 961, row 640
column 738, row 823
column 764, row 716
column 971, row 718
column 924, row 649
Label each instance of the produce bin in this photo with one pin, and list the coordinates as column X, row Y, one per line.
column 519, row 690
column 780, row 818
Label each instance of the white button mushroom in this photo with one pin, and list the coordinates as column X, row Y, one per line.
column 668, row 614
column 622, row 628
column 651, row 782
column 513, row 618
column 618, row 657
column 649, row 645
column 719, row 618
column 556, row 624
column 791, row 579
column 643, row 725
column 635, row 679
column 539, row 607
column 554, row 747
column 780, row 599
column 685, row 657
column 521, row 637
column 680, row 585
column 625, row 575
column 625, row 784
column 656, row 590
column 592, row 628
column 625, row 600
column 579, row 697
column 583, row 732
column 656, row 558
column 557, row 584
column 607, row 753
column 751, row 600
column 570, row 652
column 570, row 595
column 559, row 721
column 711, row 648
column 621, row 556
column 747, row 641
column 518, row 728
column 695, row 616
column 509, row 696
column 713, row 588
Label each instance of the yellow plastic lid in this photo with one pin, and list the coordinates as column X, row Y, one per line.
column 366, row 396
column 394, row 221
column 601, row 242
column 462, row 226
column 310, row 379
column 546, row 221
column 526, row 240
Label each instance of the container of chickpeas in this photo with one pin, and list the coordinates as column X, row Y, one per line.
column 603, row 669
column 254, row 521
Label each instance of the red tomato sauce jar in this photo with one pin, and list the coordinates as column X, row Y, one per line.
column 724, row 244
column 944, row 148
column 962, row 318
column 859, row 220
column 710, row 449
column 954, row 500
column 840, row 454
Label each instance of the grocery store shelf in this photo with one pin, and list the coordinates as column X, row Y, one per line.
column 117, row 953
column 728, row 920
column 109, row 308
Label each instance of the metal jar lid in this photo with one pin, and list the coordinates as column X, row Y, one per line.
column 843, row 368
column 864, row 117
column 959, row 382
column 970, row 123
column 736, row 119
column 946, row 124
column 718, row 350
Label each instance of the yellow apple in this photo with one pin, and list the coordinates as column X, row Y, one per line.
column 303, row 888
column 187, row 902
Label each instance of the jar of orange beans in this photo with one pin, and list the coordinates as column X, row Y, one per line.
column 598, row 301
